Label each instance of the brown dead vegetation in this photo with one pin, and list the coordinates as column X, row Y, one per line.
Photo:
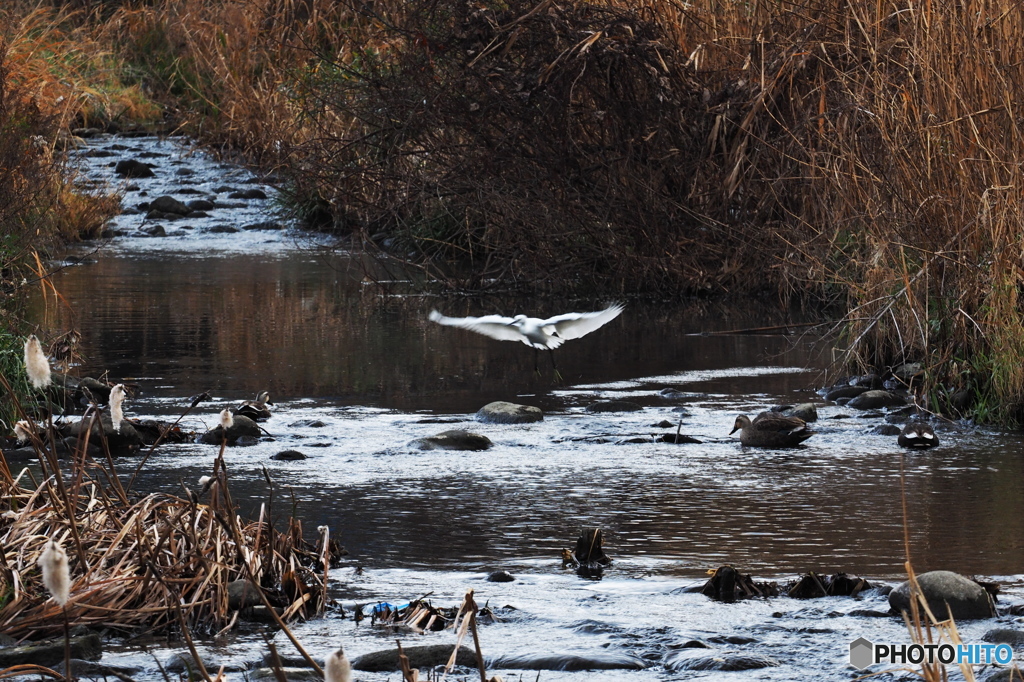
column 157, row 561
column 863, row 156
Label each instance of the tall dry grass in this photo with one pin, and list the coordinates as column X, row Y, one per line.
column 863, row 156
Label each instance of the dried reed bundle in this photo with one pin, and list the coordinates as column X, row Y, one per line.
column 159, row 562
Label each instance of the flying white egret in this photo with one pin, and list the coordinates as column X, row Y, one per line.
column 535, row 332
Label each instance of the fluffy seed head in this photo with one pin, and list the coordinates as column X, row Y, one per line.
column 22, row 430
column 54, row 562
column 226, row 420
column 36, row 364
column 116, row 413
column 337, row 668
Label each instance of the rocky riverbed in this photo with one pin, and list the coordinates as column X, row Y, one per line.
column 358, row 375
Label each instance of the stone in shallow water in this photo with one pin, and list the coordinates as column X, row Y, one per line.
column 1014, row 638
column 696, row 659
column 613, row 406
column 500, row 577
column 456, row 439
column 132, row 168
column 427, row 656
column 288, row 455
column 569, row 662
column 168, row 204
column 501, row 412
column 51, row 651
column 873, row 400
column 967, row 599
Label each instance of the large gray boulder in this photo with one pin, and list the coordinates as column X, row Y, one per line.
column 501, row 412
column 967, row 599
column 455, row 439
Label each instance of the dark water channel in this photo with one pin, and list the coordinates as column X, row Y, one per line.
column 236, row 313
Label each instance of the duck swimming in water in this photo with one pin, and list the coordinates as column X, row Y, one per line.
column 771, row 430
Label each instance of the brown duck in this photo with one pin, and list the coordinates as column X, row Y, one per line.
column 771, row 430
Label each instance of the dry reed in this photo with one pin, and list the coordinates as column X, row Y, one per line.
column 818, row 150
column 160, row 562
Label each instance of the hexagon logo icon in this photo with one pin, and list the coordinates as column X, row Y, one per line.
column 861, row 653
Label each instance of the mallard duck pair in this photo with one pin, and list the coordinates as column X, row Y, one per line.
column 771, row 430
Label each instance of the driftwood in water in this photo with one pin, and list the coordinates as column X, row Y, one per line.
column 812, row 586
column 589, row 558
column 727, row 584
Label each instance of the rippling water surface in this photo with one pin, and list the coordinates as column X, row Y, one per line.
column 235, row 314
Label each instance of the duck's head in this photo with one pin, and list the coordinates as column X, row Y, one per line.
column 742, row 422
column 264, row 398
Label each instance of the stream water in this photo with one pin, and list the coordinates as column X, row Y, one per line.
column 344, row 342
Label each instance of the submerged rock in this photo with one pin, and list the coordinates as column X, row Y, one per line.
column 1014, row 638
column 569, row 662
column 614, row 406
column 50, row 651
column 501, row 412
column 427, row 656
column 288, row 455
column 290, row 674
column 455, row 439
column 967, row 599
column 695, row 659
column 500, row 577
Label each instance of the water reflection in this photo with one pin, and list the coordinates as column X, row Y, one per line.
column 329, row 346
column 302, row 326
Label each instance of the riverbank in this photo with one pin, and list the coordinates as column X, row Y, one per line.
column 497, row 147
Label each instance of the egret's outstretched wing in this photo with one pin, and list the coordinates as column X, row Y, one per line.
column 494, row 326
column 575, row 325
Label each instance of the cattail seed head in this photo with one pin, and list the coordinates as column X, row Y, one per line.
column 226, row 420
column 22, row 431
column 116, row 413
column 337, row 668
column 54, row 562
column 36, row 364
